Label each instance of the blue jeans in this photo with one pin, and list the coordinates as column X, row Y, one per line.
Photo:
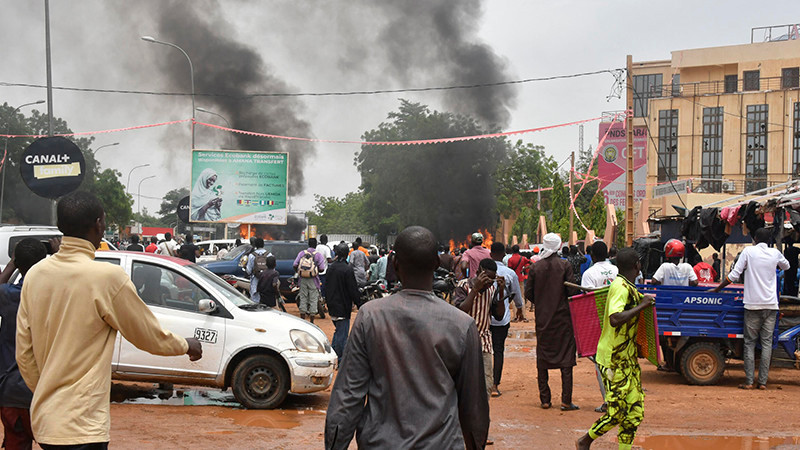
column 339, row 340
column 758, row 324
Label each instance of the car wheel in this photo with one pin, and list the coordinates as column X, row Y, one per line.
column 702, row 363
column 260, row 382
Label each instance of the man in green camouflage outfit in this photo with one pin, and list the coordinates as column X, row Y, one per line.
column 617, row 356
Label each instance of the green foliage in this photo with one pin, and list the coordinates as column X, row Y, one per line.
column 339, row 215
column 169, row 205
column 116, row 202
column 23, row 206
column 526, row 167
column 446, row 187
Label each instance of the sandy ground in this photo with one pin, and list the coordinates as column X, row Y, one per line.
column 677, row 416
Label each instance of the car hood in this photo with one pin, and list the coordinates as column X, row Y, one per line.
column 278, row 324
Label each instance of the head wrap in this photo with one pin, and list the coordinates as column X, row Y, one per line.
column 552, row 244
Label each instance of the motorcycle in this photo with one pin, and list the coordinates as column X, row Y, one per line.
column 376, row 289
column 444, row 283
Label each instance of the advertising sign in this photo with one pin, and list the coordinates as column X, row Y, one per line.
column 612, row 163
column 52, row 167
column 239, row 186
column 183, row 209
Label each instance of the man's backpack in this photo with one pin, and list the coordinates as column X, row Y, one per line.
column 307, row 267
column 259, row 264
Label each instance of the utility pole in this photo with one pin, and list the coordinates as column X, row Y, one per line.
column 629, row 224
column 571, row 201
column 53, row 218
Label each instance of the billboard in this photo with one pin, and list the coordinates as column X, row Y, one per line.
column 239, row 186
column 612, row 163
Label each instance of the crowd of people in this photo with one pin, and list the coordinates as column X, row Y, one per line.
column 427, row 366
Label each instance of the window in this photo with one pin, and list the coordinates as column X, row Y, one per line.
column 756, row 147
column 731, row 84
column 667, row 144
column 796, row 142
column 711, row 169
column 751, row 80
column 790, row 77
column 645, row 87
column 676, row 85
column 160, row 286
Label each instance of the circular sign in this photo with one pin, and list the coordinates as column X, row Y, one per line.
column 183, row 209
column 52, row 167
column 610, row 154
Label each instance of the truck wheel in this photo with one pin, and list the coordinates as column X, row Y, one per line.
column 702, row 363
column 260, row 382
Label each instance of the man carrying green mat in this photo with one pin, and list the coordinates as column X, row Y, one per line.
column 617, row 355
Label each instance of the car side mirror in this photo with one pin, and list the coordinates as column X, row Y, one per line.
column 207, row 306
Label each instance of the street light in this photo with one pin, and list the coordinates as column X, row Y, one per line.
column 230, row 138
column 153, row 40
column 128, row 184
column 94, row 152
column 140, row 192
column 5, row 153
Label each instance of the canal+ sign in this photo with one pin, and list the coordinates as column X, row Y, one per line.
column 52, row 167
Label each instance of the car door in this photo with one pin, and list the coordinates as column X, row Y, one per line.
column 173, row 298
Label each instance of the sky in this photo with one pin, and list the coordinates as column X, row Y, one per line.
column 320, row 47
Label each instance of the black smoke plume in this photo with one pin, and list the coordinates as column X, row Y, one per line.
column 232, row 69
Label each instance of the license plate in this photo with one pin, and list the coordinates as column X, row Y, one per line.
column 205, row 335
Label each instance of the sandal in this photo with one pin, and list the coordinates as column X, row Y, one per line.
column 570, row 407
column 746, row 386
column 546, row 405
column 762, row 387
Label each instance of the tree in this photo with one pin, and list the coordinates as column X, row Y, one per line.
column 526, row 167
column 21, row 205
column 446, row 187
column 169, row 205
column 559, row 218
column 339, row 215
column 117, row 204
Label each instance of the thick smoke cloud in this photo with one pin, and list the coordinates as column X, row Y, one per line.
column 222, row 65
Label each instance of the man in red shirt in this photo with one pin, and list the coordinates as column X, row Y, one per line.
column 153, row 245
column 519, row 264
column 473, row 257
column 704, row 271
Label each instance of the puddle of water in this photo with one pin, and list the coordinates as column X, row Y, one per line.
column 522, row 334
column 716, row 442
column 283, row 419
column 138, row 395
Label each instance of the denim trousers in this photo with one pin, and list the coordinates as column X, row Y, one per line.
column 759, row 324
column 339, row 341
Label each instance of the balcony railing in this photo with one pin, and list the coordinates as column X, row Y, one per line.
column 720, row 87
column 733, row 187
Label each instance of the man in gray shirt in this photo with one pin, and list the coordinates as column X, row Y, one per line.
column 419, row 362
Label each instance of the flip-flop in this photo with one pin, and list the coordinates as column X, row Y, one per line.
column 496, row 394
column 602, row 408
column 546, row 405
column 747, row 387
column 570, row 407
column 762, row 387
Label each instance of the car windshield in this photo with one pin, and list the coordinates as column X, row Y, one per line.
column 284, row 250
column 222, row 287
column 236, row 253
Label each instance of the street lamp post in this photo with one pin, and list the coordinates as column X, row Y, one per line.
column 230, row 138
column 128, row 184
column 140, row 192
column 153, row 40
column 94, row 152
column 5, row 153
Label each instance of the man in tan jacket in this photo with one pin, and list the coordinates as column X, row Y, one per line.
column 69, row 315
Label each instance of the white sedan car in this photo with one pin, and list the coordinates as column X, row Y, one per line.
column 259, row 352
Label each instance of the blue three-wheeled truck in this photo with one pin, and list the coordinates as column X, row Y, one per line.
column 698, row 330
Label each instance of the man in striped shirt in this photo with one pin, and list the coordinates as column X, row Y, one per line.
column 480, row 297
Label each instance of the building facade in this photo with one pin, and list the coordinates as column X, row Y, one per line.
column 725, row 118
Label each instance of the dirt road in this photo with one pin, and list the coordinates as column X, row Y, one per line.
column 677, row 416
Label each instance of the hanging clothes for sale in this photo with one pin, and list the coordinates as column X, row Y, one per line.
column 752, row 221
column 690, row 228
